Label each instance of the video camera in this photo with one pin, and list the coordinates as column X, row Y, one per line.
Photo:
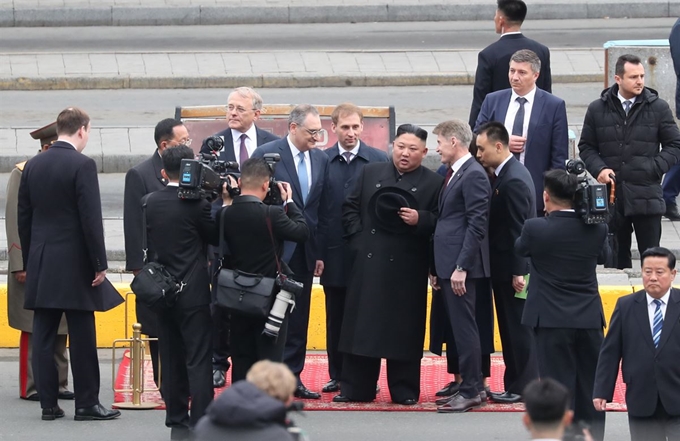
column 590, row 199
column 205, row 176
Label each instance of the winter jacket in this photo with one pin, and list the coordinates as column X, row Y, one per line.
column 629, row 145
column 244, row 413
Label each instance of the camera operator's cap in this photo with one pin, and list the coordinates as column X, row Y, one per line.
column 384, row 205
column 46, row 134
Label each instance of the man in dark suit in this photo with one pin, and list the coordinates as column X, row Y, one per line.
column 563, row 304
column 461, row 254
column 306, row 169
column 388, row 220
column 535, row 120
column 251, row 246
column 346, row 160
column 141, row 180
column 671, row 182
column 244, row 106
column 512, row 203
column 644, row 336
column 178, row 232
column 493, row 61
column 61, row 230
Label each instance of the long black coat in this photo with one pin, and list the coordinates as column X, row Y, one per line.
column 341, row 179
column 140, row 180
column 62, row 234
column 386, row 301
column 629, row 145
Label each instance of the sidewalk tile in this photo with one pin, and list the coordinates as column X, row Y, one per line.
column 77, row 64
column 470, row 60
column 130, row 64
column 317, row 62
column 141, row 138
column 23, row 65
column 263, row 63
column 370, row 62
column 8, row 141
column 104, row 64
column 343, row 62
column 422, row 62
column 396, row 62
column 157, row 65
column 450, row 62
column 115, row 139
column 50, row 65
column 5, row 67
column 210, row 64
column 289, row 62
column 237, row 63
column 183, row 64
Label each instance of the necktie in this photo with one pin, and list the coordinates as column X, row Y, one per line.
column 626, row 106
column 447, row 178
column 302, row 176
column 658, row 323
column 348, row 156
column 518, row 124
column 243, row 154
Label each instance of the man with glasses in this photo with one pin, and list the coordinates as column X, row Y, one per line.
column 241, row 139
column 306, row 169
column 141, row 180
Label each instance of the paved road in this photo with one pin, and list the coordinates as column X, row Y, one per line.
column 344, row 36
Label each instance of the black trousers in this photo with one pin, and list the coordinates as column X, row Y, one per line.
column 519, row 353
column 335, row 310
column 185, row 339
column 220, row 323
column 461, row 313
column 570, row 357
column 647, row 232
column 250, row 346
column 296, row 341
column 659, row 427
column 82, row 351
column 360, row 375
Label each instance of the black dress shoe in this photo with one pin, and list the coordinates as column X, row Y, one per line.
column 459, row 404
column 34, row 397
column 341, row 399
column 96, row 412
column 219, row 379
column 52, row 413
column 505, row 397
column 331, row 386
column 66, row 395
column 448, row 390
column 443, row 400
column 672, row 212
column 302, row 392
column 407, row 402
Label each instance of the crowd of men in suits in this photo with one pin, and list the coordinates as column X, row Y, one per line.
column 374, row 227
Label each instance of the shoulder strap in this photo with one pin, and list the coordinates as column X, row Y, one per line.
column 145, row 247
column 271, row 236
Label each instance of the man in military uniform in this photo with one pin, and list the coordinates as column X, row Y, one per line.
column 18, row 317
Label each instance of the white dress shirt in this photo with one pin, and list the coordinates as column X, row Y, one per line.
column 502, row 164
column 513, row 108
column 354, row 151
column 458, row 164
column 251, row 142
column 632, row 101
column 651, row 308
column 296, row 159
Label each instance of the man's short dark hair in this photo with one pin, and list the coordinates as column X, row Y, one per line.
column 546, row 402
column 659, row 252
column 514, row 10
column 561, row 186
column 413, row 130
column 495, row 132
column 70, row 120
column 165, row 130
column 254, row 172
column 527, row 56
column 620, row 68
column 172, row 159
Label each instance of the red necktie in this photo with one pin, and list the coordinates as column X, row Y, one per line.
column 447, row 178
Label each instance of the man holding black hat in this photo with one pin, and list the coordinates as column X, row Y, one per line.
column 18, row 317
column 388, row 219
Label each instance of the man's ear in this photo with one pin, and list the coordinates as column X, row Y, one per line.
column 165, row 175
column 526, row 420
column 567, row 418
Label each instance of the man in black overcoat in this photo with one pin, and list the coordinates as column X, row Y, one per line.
column 388, row 220
column 62, row 234
column 346, row 160
column 179, row 231
column 141, row 180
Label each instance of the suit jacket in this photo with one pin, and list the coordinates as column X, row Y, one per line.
column 547, row 145
column 62, row 234
column 674, row 41
column 564, row 253
column 316, row 219
column 460, row 237
column 493, row 64
column 248, row 238
column 650, row 373
column 179, row 232
column 140, row 180
column 227, row 153
column 341, row 179
column 513, row 201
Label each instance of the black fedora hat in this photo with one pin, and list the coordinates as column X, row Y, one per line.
column 384, row 205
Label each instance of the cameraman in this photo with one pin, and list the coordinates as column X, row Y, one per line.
column 563, row 304
column 251, row 250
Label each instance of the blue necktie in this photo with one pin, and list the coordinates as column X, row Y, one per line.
column 658, row 323
column 302, row 176
column 626, row 106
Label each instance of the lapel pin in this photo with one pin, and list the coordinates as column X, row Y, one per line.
column 497, row 192
column 414, row 189
column 377, row 185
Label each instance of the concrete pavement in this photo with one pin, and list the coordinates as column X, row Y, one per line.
column 212, row 12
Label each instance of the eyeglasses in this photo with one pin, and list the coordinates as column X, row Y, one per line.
column 315, row 133
column 186, row 142
column 238, row 109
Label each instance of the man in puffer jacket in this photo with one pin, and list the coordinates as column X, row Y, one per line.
column 620, row 138
column 253, row 409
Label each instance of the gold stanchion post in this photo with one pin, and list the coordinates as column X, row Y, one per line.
column 136, row 372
